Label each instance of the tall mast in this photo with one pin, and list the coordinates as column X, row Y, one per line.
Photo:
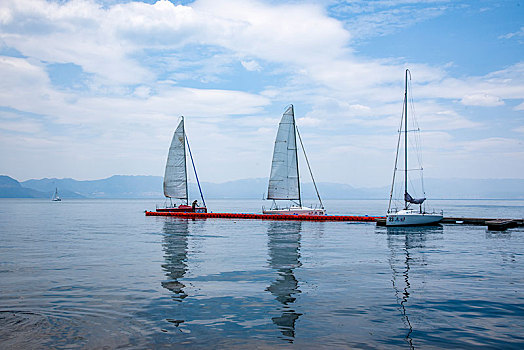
column 406, row 140
column 184, row 131
column 296, row 154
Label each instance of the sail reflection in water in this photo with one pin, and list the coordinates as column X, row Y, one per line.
column 406, row 244
column 284, row 257
column 175, row 245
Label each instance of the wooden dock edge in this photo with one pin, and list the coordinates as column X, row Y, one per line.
column 492, row 224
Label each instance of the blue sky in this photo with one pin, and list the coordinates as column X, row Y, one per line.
column 95, row 88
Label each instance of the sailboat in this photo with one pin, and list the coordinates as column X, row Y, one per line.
column 175, row 177
column 284, row 181
column 408, row 216
column 56, row 198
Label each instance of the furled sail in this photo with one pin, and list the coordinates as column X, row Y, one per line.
column 283, row 181
column 175, row 177
column 409, row 199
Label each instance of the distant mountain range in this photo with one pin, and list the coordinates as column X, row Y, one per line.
column 128, row 186
column 10, row 188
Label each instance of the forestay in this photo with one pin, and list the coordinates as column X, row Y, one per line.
column 175, row 177
column 283, row 181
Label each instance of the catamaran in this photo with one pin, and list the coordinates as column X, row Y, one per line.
column 284, row 181
column 55, row 197
column 175, row 177
column 408, row 216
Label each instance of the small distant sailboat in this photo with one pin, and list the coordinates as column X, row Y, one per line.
column 56, row 198
column 284, row 181
column 175, row 177
column 408, row 216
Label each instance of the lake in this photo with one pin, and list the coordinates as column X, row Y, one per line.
column 100, row 274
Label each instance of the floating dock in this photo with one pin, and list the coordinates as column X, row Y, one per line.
column 355, row 218
column 493, row 224
column 480, row 221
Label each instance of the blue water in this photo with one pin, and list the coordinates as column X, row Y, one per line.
column 99, row 273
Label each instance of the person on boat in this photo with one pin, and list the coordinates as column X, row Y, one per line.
column 194, row 204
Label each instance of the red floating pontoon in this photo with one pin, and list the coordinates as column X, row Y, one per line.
column 195, row 215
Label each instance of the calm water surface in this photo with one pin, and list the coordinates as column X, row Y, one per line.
column 98, row 273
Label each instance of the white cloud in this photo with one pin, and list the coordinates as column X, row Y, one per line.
column 21, row 126
column 519, row 33
column 76, row 31
column 142, row 91
column 520, row 107
column 482, row 100
column 519, row 129
column 359, row 107
column 385, row 22
column 494, row 145
column 309, row 121
column 488, row 90
column 251, row 65
column 150, row 63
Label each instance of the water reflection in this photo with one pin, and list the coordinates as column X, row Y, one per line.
column 284, row 257
column 175, row 245
column 402, row 242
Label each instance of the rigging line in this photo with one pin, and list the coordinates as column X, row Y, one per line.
column 310, row 172
column 396, row 159
column 417, row 140
column 194, row 169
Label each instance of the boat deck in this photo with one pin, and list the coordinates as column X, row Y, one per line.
column 265, row 216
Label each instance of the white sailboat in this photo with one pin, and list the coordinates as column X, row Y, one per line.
column 55, row 197
column 175, row 177
column 408, row 216
column 284, row 181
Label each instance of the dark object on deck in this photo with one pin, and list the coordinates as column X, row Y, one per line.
column 500, row 225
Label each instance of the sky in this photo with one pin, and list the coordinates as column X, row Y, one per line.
column 90, row 89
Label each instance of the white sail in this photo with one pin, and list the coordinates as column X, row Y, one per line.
column 283, row 181
column 56, row 198
column 175, row 177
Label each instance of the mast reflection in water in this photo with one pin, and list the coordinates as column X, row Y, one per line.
column 402, row 241
column 175, row 245
column 284, row 257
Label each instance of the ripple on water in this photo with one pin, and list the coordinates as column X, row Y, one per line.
column 30, row 330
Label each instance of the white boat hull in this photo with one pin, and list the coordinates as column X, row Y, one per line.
column 295, row 211
column 412, row 218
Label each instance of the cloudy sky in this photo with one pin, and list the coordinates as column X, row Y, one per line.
column 92, row 88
